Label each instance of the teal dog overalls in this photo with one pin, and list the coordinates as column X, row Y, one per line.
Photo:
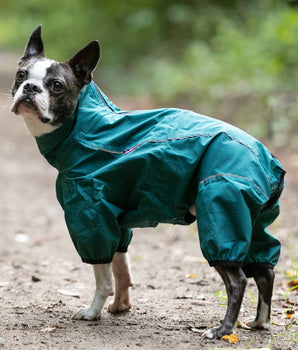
column 119, row 170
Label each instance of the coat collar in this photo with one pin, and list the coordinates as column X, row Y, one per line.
column 49, row 142
column 90, row 97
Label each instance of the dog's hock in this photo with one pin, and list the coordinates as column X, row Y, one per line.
column 123, row 281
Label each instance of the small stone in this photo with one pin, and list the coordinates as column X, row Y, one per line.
column 35, row 279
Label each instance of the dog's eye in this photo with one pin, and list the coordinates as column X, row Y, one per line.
column 57, row 86
column 20, row 76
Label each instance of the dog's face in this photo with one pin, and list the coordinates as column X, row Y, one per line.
column 45, row 92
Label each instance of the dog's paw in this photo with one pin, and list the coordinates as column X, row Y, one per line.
column 87, row 314
column 255, row 324
column 210, row 333
column 119, row 307
column 218, row 332
column 121, row 301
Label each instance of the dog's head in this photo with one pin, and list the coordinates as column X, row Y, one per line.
column 45, row 92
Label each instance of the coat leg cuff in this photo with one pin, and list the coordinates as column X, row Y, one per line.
column 225, row 263
column 97, row 261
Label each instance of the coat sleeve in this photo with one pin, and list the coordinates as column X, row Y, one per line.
column 227, row 214
column 91, row 220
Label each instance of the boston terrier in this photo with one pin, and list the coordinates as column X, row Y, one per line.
column 118, row 170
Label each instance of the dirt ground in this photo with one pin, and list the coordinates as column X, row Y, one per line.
column 176, row 295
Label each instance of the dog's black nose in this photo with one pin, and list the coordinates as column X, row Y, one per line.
column 31, row 88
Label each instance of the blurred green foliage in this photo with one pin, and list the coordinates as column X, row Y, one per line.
column 233, row 57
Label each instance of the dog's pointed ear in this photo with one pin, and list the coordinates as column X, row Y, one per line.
column 84, row 62
column 34, row 46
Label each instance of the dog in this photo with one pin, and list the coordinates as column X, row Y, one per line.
column 118, row 170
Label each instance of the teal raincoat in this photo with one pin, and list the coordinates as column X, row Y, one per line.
column 119, row 170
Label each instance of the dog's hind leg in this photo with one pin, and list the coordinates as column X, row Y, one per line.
column 104, row 288
column 123, row 281
column 264, row 279
column 235, row 282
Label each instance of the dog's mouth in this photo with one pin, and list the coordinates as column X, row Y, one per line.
column 28, row 105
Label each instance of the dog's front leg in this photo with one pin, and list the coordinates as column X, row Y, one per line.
column 235, row 282
column 104, row 288
column 123, row 281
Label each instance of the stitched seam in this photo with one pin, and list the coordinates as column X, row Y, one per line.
column 233, row 175
column 241, row 143
column 103, row 149
column 166, row 140
column 147, row 141
column 170, row 139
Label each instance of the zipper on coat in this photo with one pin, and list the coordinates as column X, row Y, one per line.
column 103, row 100
column 106, row 104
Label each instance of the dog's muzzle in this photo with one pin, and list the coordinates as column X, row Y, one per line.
column 28, row 102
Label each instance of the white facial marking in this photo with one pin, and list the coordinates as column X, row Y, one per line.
column 36, row 127
column 36, row 75
column 39, row 69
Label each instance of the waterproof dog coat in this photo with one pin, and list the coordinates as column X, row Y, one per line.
column 119, row 170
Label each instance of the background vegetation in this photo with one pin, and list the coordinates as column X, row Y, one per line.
column 234, row 59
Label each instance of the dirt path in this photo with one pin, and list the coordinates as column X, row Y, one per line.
column 176, row 296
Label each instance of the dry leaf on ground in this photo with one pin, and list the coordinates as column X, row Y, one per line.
column 232, row 338
column 68, row 293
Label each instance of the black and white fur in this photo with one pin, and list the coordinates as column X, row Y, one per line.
column 45, row 93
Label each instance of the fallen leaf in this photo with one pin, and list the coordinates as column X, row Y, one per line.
column 293, row 284
column 191, row 276
column 68, row 293
column 232, row 338
column 290, row 312
column 196, row 330
column 49, row 330
column 290, row 303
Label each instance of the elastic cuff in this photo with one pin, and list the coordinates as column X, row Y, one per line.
column 96, row 261
column 189, row 218
column 122, row 250
column 104, row 261
column 225, row 263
